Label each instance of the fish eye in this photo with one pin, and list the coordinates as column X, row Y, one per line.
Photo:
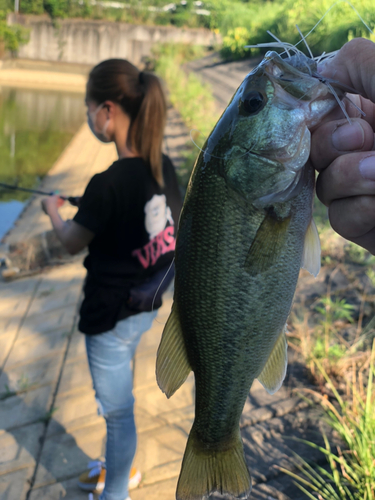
column 253, row 102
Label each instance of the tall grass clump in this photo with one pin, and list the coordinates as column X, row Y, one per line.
column 350, row 470
column 11, row 37
column 191, row 97
column 187, row 93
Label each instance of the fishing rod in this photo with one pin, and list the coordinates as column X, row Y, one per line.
column 73, row 200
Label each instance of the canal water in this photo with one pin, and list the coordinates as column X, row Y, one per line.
column 35, row 127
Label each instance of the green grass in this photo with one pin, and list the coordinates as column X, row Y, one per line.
column 350, row 470
column 189, row 95
column 339, row 25
column 326, row 333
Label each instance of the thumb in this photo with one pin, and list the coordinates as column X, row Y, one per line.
column 353, row 65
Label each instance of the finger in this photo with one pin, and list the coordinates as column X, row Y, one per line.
column 354, row 219
column 349, row 175
column 351, row 103
column 335, row 138
column 60, row 202
column 353, row 66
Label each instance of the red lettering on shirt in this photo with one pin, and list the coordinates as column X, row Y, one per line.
column 162, row 243
column 145, row 261
column 169, row 238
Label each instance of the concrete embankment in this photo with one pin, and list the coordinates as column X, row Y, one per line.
column 90, row 41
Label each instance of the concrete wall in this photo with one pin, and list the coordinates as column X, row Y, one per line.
column 89, row 42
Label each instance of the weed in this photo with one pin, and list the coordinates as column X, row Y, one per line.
column 371, row 276
column 334, row 309
column 68, row 334
column 358, row 255
column 45, row 293
column 234, row 43
column 332, row 352
column 326, row 332
column 351, row 473
column 48, row 414
column 23, row 383
column 8, row 393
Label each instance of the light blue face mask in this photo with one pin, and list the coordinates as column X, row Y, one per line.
column 91, row 117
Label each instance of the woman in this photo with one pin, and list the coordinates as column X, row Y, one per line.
column 127, row 217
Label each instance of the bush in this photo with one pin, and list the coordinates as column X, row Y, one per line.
column 55, row 8
column 234, row 43
column 13, row 36
column 280, row 17
column 32, row 7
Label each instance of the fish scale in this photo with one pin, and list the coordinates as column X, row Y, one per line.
column 223, row 327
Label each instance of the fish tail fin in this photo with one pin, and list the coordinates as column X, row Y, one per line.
column 205, row 470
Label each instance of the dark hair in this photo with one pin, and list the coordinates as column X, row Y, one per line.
column 141, row 96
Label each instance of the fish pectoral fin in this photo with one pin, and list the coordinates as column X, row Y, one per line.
column 274, row 371
column 311, row 250
column 268, row 244
column 172, row 364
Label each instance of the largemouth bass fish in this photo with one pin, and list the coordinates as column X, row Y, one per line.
column 245, row 230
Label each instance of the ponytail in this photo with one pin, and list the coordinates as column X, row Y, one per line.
column 147, row 129
column 141, row 96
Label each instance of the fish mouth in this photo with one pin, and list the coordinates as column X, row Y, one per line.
column 307, row 91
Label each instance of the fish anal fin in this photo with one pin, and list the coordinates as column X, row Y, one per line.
column 172, row 364
column 274, row 371
column 268, row 244
column 207, row 469
column 311, row 250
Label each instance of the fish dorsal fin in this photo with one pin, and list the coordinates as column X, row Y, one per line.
column 172, row 364
column 274, row 371
column 268, row 244
column 311, row 250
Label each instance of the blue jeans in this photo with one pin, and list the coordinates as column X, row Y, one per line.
column 109, row 356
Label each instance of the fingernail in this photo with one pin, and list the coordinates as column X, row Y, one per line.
column 348, row 137
column 367, row 168
column 326, row 68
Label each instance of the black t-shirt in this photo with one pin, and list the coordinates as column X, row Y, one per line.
column 135, row 224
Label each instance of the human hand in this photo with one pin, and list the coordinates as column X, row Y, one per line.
column 75, row 200
column 344, row 154
column 51, row 204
